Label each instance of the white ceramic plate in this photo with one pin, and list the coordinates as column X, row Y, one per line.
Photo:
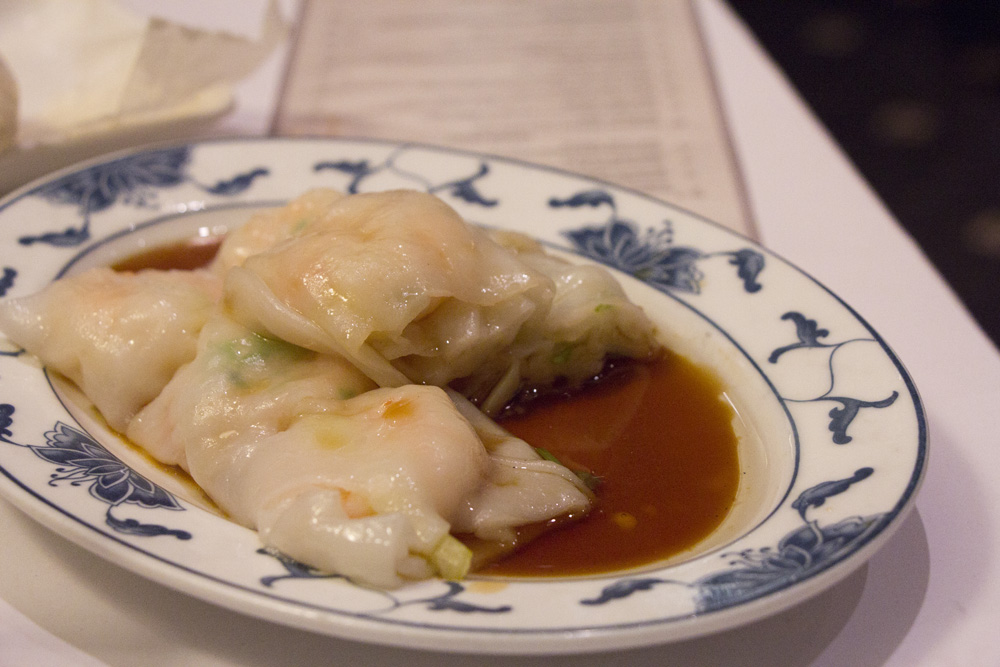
column 833, row 438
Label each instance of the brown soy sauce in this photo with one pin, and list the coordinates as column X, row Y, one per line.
column 186, row 255
column 659, row 437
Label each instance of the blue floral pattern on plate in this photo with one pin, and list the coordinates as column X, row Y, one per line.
column 133, row 180
column 464, row 187
column 809, row 333
column 650, row 256
column 82, row 460
column 756, row 572
column 812, row 354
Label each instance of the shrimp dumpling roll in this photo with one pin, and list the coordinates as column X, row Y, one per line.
column 365, row 488
column 409, row 292
column 240, row 383
column 118, row 336
column 396, row 282
column 362, row 481
column 589, row 321
column 265, row 229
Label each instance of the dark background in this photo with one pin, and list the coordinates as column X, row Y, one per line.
column 911, row 91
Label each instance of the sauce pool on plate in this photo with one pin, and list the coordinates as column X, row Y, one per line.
column 660, row 440
column 657, row 438
column 189, row 255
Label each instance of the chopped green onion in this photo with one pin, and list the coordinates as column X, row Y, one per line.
column 562, row 353
column 451, row 558
column 590, row 480
column 547, row 455
column 245, row 358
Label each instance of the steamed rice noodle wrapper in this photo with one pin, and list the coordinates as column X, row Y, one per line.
column 406, row 290
column 376, row 488
column 589, row 321
column 240, row 384
column 364, row 488
column 368, row 483
column 119, row 337
column 265, row 229
column 398, row 284
column 521, row 487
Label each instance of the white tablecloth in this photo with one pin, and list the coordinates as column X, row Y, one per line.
column 931, row 596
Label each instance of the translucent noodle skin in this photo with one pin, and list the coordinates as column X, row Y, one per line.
column 239, row 384
column 119, row 337
column 327, row 380
column 399, row 284
column 265, row 229
column 589, row 321
column 396, row 282
column 338, row 473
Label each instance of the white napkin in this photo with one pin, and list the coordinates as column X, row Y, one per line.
column 84, row 67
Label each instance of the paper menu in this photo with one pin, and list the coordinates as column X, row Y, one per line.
column 621, row 91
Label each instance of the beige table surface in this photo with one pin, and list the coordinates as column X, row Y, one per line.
column 931, row 596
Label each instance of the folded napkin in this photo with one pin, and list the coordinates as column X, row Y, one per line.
column 77, row 68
